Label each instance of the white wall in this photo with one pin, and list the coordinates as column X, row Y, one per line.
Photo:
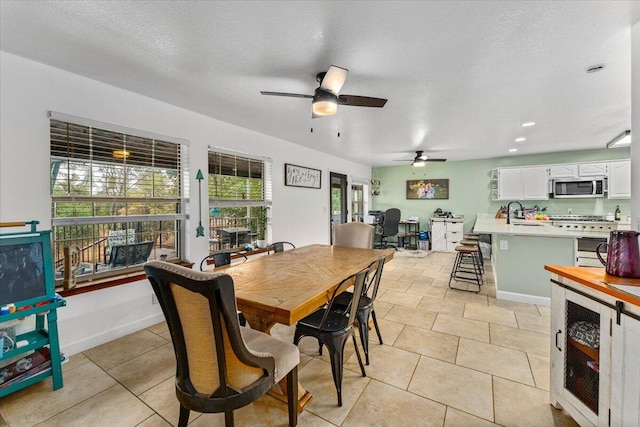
column 635, row 126
column 29, row 90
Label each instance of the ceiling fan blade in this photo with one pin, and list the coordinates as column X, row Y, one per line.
column 334, row 79
column 361, row 101
column 292, row 95
column 435, row 160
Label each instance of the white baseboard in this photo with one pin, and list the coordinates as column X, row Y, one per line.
column 528, row 299
column 96, row 340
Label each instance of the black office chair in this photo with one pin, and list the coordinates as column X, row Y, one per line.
column 220, row 259
column 389, row 228
column 279, row 247
column 365, row 308
column 220, row 366
column 333, row 327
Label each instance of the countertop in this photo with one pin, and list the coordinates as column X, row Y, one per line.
column 599, row 280
column 487, row 224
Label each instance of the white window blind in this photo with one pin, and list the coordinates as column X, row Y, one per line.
column 113, row 189
column 240, row 192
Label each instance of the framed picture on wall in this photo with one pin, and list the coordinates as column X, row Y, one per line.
column 300, row 176
column 428, row 189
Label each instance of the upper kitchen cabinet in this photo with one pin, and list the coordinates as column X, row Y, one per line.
column 620, row 179
column 509, row 186
column 592, row 169
column 563, row 171
column 535, row 184
column 524, row 183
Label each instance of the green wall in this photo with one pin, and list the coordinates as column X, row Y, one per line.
column 469, row 191
column 520, row 268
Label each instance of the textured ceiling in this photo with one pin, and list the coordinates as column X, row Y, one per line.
column 460, row 77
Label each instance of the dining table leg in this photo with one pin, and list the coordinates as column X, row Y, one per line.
column 279, row 391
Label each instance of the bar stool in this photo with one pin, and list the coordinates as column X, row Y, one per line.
column 466, row 267
column 476, row 244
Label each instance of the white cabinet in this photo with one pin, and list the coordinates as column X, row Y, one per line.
column 625, row 373
column 454, row 234
column 563, row 171
column 535, row 183
column 620, row 179
column 592, row 169
column 509, row 186
column 438, row 239
column 598, row 385
column 579, row 372
column 523, row 183
column 446, row 234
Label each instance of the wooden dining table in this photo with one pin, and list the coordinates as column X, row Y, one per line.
column 287, row 286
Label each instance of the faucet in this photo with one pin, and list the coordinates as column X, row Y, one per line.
column 509, row 210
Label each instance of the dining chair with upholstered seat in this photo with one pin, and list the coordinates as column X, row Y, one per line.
column 365, row 307
column 354, row 235
column 220, row 366
column 224, row 258
column 333, row 328
column 279, row 247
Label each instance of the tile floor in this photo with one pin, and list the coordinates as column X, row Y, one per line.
column 449, row 359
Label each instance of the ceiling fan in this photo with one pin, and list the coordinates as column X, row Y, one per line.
column 421, row 159
column 327, row 96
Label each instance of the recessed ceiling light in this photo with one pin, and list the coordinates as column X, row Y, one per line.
column 527, row 124
column 520, row 139
column 595, row 68
column 513, row 150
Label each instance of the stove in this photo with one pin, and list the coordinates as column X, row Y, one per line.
column 585, row 223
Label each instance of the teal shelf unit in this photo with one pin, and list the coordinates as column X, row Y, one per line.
column 40, row 300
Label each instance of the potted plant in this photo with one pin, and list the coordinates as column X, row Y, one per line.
column 262, row 228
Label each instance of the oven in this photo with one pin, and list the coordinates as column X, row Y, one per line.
column 586, row 251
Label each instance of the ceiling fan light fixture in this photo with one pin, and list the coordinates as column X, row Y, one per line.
column 324, row 103
column 418, row 163
column 121, row 154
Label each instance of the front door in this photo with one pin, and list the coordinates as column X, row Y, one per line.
column 338, row 198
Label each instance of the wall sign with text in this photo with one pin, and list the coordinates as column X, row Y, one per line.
column 300, row 176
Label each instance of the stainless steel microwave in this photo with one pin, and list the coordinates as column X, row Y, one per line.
column 578, row 188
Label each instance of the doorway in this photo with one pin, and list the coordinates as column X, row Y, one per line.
column 338, row 200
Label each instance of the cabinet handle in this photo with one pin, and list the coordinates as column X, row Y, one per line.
column 558, row 333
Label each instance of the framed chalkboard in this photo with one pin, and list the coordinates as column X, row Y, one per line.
column 26, row 268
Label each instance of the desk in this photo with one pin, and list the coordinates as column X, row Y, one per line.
column 287, row 286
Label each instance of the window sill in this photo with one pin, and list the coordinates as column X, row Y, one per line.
column 108, row 282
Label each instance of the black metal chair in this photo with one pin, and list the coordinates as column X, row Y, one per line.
column 365, row 308
column 279, row 247
column 224, row 258
column 389, row 228
column 221, row 258
column 220, row 366
column 333, row 328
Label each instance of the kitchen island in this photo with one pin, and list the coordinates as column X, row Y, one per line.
column 520, row 251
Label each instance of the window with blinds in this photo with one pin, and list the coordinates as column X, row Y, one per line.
column 117, row 197
column 239, row 198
